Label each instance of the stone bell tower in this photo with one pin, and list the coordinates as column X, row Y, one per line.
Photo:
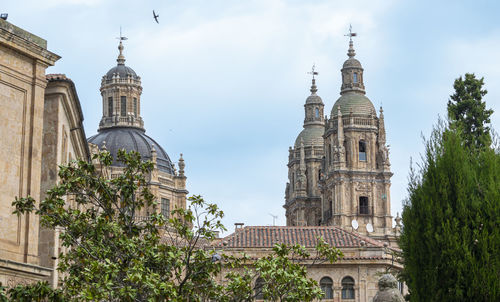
column 302, row 194
column 355, row 183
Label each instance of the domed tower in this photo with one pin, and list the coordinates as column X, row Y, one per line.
column 122, row 127
column 302, row 194
column 356, row 171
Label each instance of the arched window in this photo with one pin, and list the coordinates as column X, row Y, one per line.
column 363, row 205
column 348, row 288
column 317, row 112
column 326, row 286
column 362, row 151
column 259, row 284
column 355, row 77
column 135, row 106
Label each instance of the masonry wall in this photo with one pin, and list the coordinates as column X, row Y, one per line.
column 23, row 60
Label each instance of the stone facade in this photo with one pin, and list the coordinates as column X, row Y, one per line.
column 339, row 170
column 41, row 127
column 356, row 171
column 352, row 278
column 64, row 140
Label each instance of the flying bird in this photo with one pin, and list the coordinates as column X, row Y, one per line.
column 156, row 17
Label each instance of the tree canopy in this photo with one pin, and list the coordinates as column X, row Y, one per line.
column 112, row 255
column 467, row 111
column 451, row 220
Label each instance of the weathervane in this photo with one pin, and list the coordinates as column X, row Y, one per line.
column 121, row 38
column 313, row 72
column 351, row 34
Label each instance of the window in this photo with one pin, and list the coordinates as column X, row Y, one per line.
column 348, row 288
column 355, row 77
column 362, row 151
column 165, row 207
column 123, row 105
column 259, row 284
column 363, row 205
column 135, row 106
column 317, row 112
column 110, row 106
column 326, row 286
column 330, row 154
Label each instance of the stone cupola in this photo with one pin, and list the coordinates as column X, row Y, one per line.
column 121, row 96
column 352, row 73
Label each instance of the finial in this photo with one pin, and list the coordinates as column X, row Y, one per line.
column 398, row 220
column 350, row 52
column 154, row 156
column 182, row 165
column 121, row 58
column 314, row 89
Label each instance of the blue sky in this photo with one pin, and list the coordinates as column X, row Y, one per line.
column 225, row 81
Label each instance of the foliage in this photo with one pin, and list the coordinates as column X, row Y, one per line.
column 451, row 222
column 119, row 249
column 468, row 112
column 40, row 291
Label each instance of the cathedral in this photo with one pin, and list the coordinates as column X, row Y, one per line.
column 338, row 169
column 339, row 189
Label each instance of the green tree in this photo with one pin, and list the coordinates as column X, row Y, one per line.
column 451, row 222
column 114, row 254
column 467, row 111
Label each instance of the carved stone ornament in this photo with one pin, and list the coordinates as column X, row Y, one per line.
column 388, row 290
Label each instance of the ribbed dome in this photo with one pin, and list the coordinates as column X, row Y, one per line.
column 131, row 139
column 314, row 99
column 352, row 62
column 359, row 104
column 311, row 136
column 122, row 70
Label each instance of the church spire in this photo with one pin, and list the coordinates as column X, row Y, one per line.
column 352, row 72
column 314, row 105
column 121, row 95
column 351, row 53
column 121, row 57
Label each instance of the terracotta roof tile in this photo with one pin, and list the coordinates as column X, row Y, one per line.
column 267, row 236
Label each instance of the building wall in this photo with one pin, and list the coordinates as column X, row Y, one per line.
column 364, row 265
column 23, row 60
column 64, row 140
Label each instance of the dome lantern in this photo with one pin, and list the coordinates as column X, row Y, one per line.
column 352, row 72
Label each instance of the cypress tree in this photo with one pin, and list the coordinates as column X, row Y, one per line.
column 451, row 219
column 467, row 111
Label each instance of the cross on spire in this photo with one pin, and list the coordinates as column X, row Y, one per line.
column 351, row 34
column 313, row 71
column 350, row 52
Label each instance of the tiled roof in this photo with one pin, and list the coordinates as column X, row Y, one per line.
column 267, row 236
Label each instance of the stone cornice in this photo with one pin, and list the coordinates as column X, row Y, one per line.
column 26, row 43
